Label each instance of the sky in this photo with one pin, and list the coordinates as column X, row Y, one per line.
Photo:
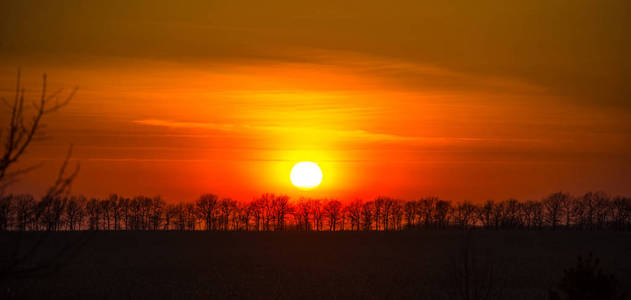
column 466, row 100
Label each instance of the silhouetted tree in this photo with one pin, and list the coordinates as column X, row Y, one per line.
column 498, row 214
column 427, row 211
column 333, row 211
column 24, row 210
column 587, row 281
column 115, row 210
column 227, row 207
column 256, row 210
column 242, row 217
column 377, row 208
column 190, row 216
column 553, row 208
column 156, row 213
column 6, row 205
column 302, row 214
column 355, row 214
column 74, row 213
column 266, row 204
column 170, row 215
column 410, row 214
column 396, row 215
column 442, row 211
column 282, row 208
column 20, row 131
column 567, row 210
column 485, row 214
column 511, row 217
column 93, row 209
column 602, row 205
column 465, row 214
column 621, row 214
column 317, row 214
column 125, row 211
column 367, row 215
column 386, row 214
column 206, row 206
column 106, row 211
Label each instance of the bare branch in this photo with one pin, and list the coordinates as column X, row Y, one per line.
column 19, row 134
column 63, row 182
column 63, row 103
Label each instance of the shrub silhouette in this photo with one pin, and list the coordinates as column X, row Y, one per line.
column 587, row 281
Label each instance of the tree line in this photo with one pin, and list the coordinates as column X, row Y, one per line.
column 269, row 212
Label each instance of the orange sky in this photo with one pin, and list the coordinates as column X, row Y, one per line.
column 412, row 99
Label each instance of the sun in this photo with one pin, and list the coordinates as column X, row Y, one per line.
column 306, row 174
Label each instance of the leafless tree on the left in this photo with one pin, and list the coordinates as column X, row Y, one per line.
column 22, row 252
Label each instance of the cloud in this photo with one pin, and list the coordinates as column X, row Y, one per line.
column 330, row 133
column 175, row 124
column 354, row 134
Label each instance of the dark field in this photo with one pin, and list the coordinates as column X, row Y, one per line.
column 341, row 265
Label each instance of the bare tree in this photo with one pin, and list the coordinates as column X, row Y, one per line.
column 190, row 216
column 537, row 214
column 426, row 210
column 485, row 212
column 93, row 209
column 106, row 210
column 266, row 203
column 553, row 208
column 442, row 211
column 170, row 215
column 465, row 214
column 621, row 213
column 116, row 207
column 20, row 131
column 567, row 210
column 226, row 206
column 281, row 210
column 388, row 204
column 512, row 214
column 528, row 213
column 257, row 213
column 156, row 214
column 602, row 209
column 6, row 205
column 240, row 218
column 410, row 211
column 301, row 215
column 378, row 211
column 124, row 207
column 333, row 211
column 355, row 214
column 19, row 262
column 74, row 210
column 206, row 206
column 498, row 214
column 317, row 214
column 24, row 206
column 367, row 213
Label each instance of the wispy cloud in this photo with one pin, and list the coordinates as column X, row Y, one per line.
column 354, row 134
column 337, row 134
column 176, row 124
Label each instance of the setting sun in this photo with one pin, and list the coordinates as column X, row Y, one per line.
column 492, row 137
column 306, row 175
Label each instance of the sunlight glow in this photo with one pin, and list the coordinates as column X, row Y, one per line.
column 306, row 175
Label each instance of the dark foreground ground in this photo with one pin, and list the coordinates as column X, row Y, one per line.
column 342, row 265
